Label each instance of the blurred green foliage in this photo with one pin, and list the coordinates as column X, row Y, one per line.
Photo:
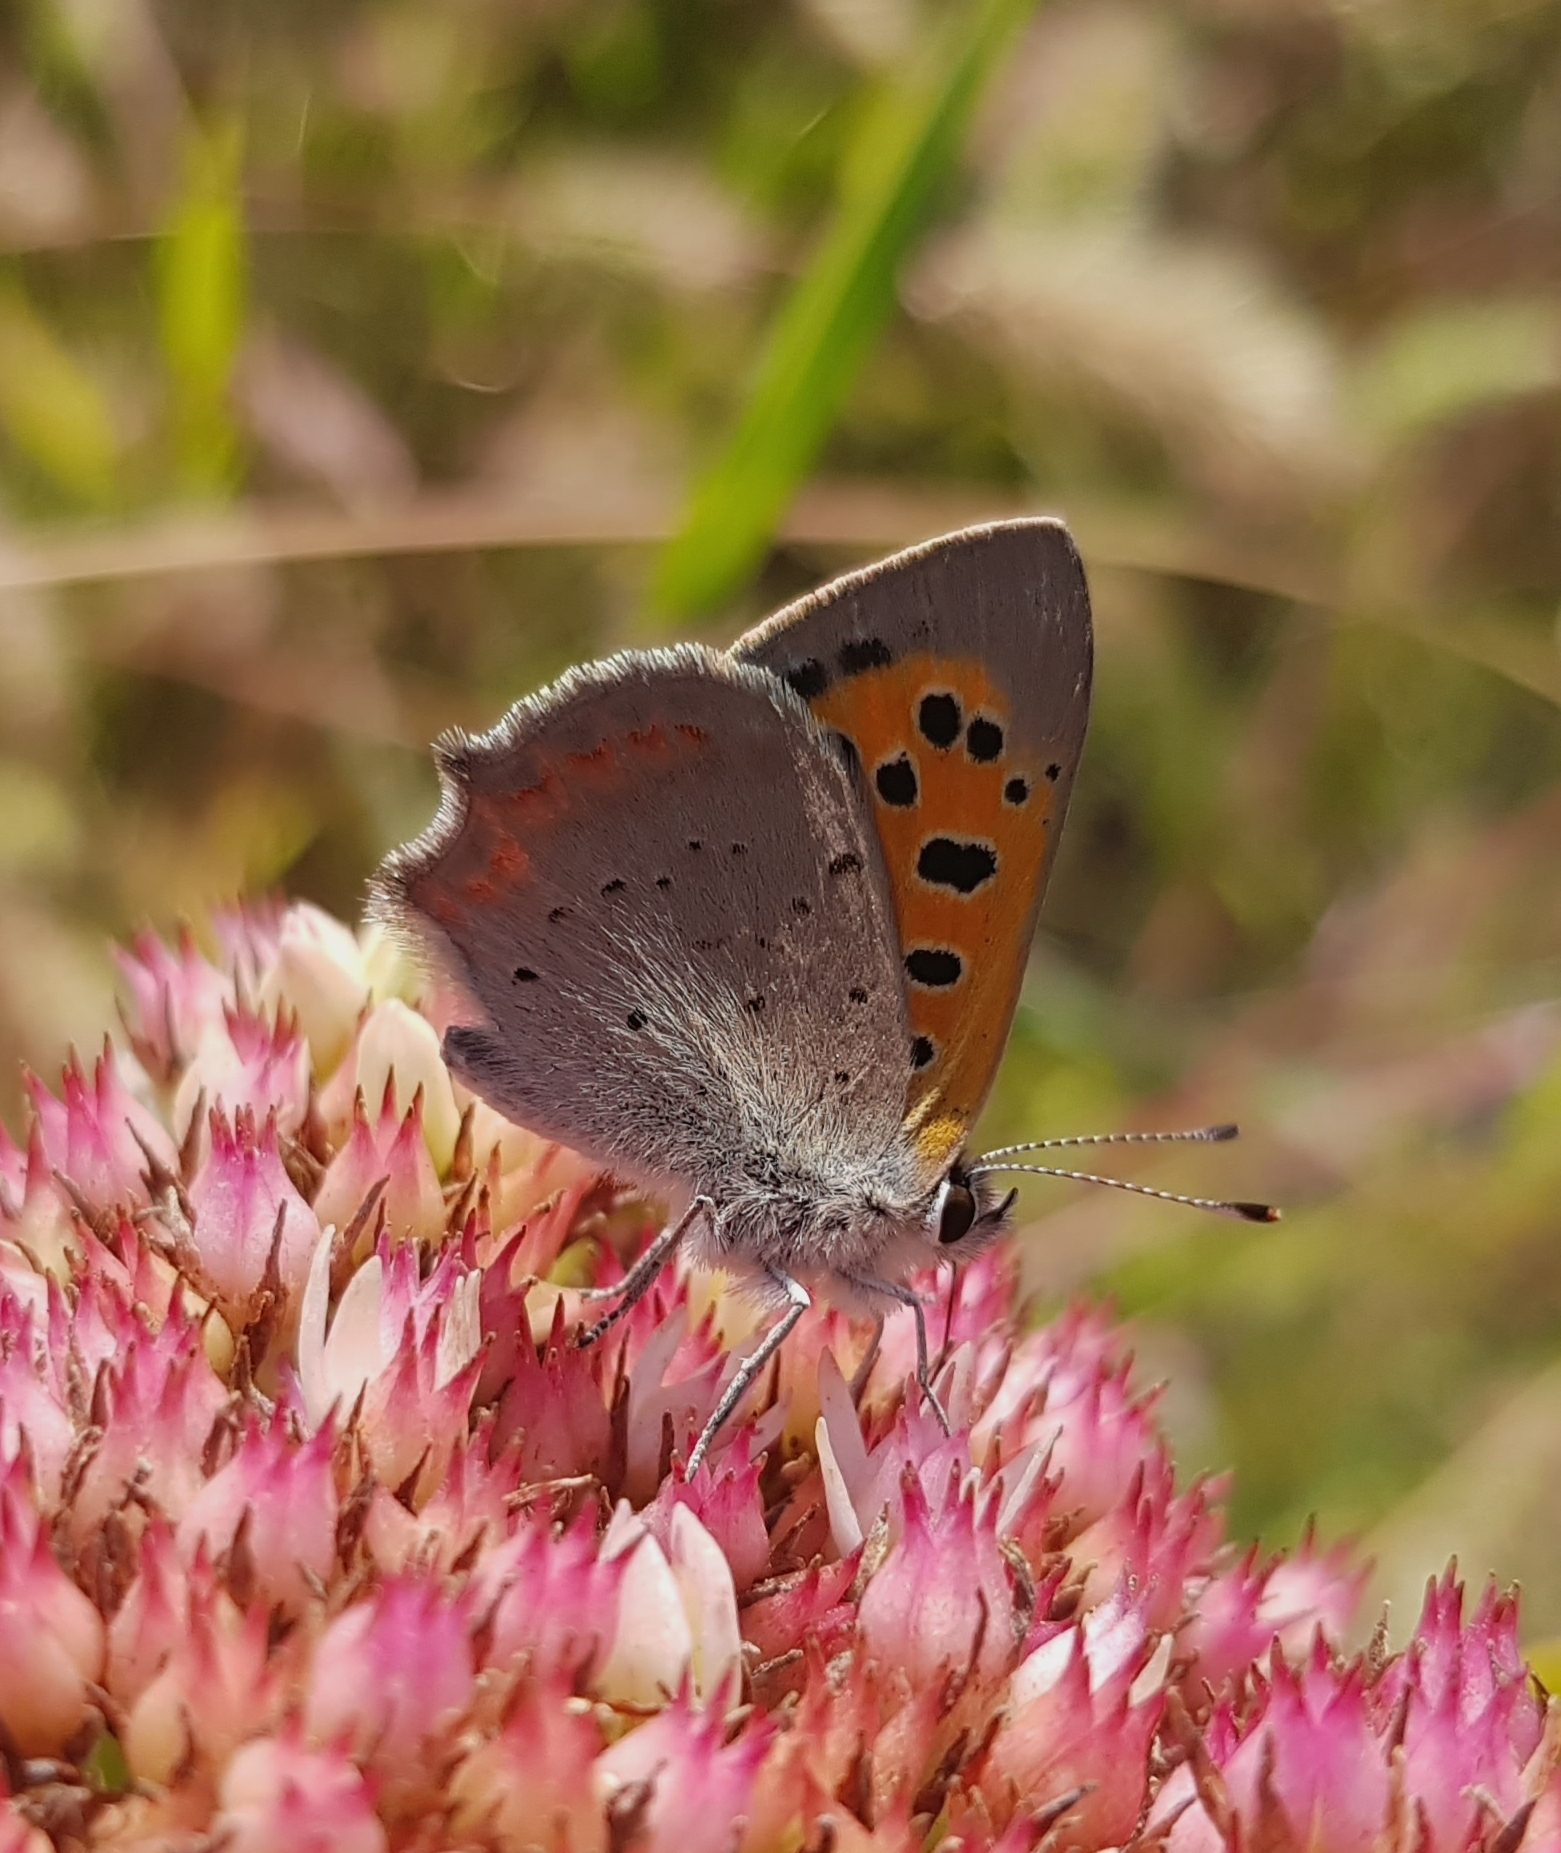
column 829, row 322
column 363, row 365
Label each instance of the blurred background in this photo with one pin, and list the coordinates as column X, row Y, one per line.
column 363, row 364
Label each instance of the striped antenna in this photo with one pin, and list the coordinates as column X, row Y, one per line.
column 1243, row 1212
column 1203, row 1135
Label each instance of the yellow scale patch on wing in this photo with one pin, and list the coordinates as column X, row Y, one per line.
column 963, row 821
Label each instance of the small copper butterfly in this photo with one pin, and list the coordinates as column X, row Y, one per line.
column 749, row 927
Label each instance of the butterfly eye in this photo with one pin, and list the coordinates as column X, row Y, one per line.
column 957, row 1213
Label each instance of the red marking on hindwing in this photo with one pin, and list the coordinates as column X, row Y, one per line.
column 508, row 859
column 438, row 903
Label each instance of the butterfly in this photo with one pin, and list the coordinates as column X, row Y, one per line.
column 749, row 927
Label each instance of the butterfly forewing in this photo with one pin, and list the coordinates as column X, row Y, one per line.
column 658, row 885
column 960, row 673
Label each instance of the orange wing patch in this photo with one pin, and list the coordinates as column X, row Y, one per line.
column 963, row 820
column 491, row 854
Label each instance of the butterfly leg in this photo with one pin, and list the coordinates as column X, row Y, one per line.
column 799, row 1300
column 642, row 1276
column 892, row 1290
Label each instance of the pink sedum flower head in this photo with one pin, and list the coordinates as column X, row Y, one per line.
column 1241, row 1610
column 320, row 970
column 389, row 1673
column 1448, row 1747
column 318, row 1528
column 687, row 1781
column 97, row 1138
column 396, row 1049
column 278, row 1793
column 385, row 1153
column 51, row 1635
column 35, row 1417
column 275, row 1501
column 252, row 1231
column 1083, row 1708
column 218, row 1686
column 531, row 1782
column 916, row 1616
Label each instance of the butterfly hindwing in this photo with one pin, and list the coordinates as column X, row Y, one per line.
column 657, row 883
column 960, row 673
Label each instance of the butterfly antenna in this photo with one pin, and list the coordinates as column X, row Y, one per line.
column 1202, row 1135
column 1243, row 1212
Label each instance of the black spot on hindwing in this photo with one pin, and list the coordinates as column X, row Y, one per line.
column 934, row 966
column 939, row 719
column 950, row 862
column 896, row 782
column 984, row 740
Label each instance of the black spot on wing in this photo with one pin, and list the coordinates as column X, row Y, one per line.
column 523, row 974
column 1016, row 791
column 808, row 679
column 615, row 886
column 984, row 740
column 923, row 1054
column 1053, row 773
column 952, row 862
column 848, row 864
column 663, row 881
column 754, row 1005
column 635, row 1019
column 801, row 906
column 555, row 914
column 934, row 966
column 896, row 782
column 939, row 719
column 857, row 994
column 864, row 653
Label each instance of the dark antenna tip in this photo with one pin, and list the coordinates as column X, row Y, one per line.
column 1221, row 1133
column 1256, row 1212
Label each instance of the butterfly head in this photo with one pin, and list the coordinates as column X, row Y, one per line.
column 967, row 1212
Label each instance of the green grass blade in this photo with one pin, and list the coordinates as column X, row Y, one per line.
column 202, row 276
column 52, row 410
column 828, row 324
